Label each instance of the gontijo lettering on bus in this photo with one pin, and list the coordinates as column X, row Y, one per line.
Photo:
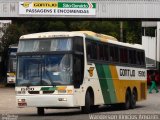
column 57, row 8
column 125, row 73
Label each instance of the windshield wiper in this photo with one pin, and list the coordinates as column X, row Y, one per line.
column 57, row 83
column 53, row 84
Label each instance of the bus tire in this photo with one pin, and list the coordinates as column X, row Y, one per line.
column 40, row 111
column 87, row 108
column 126, row 105
column 133, row 99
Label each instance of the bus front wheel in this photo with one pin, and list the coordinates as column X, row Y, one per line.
column 40, row 111
column 87, row 108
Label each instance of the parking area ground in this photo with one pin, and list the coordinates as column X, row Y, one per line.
column 9, row 109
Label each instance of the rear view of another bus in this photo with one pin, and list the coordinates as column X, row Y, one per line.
column 11, row 65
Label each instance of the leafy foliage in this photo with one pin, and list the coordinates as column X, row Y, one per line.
column 131, row 29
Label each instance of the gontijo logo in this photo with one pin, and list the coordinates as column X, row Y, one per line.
column 45, row 4
column 91, row 71
column 26, row 4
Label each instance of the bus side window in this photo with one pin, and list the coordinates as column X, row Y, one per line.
column 106, row 51
column 142, row 58
column 100, row 52
column 125, row 55
column 91, row 50
column 94, row 51
column 78, row 44
column 122, row 57
column 78, row 67
column 78, row 61
column 116, row 54
column 111, row 53
column 132, row 56
column 88, row 46
column 138, row 58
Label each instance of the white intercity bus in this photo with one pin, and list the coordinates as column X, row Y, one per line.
column 11, row 64
column 79, row 69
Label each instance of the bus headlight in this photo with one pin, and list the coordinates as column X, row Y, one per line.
column 20, row 92
column 65, row 91
column 62, row 91
column 21, row 100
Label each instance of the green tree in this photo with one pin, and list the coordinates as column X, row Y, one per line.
column 131, row 37
column 11, row 36
column 56, row 26
column 132, row 31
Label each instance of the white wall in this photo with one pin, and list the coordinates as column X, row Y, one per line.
column 149, row 44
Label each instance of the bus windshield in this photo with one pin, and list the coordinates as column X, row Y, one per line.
column 45, row 45
column 44, row 70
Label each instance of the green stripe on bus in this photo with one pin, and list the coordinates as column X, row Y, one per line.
column 103, row 83
column 48, row 88
column 110, row 83
column 106, row 83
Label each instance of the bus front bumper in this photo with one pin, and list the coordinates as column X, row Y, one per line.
column 45, row 101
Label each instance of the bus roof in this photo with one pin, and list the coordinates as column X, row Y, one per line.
column 89, row 34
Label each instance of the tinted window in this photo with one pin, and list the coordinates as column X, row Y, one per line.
column 91, row 50
column 114, row 54
column 116, row 51
column 101, row 51
column 123, row 55
column 43, row 45
column 140, row 58
column 106, row 51
column 78, row 44
column 132, row 56
column 111, row 53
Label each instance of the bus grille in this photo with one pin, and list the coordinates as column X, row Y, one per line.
column 33, row 92
column 48, row 92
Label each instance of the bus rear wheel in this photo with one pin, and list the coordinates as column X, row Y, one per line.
column 133, row 99
column 40, row 111
column 126, row 105
column 87, row 108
